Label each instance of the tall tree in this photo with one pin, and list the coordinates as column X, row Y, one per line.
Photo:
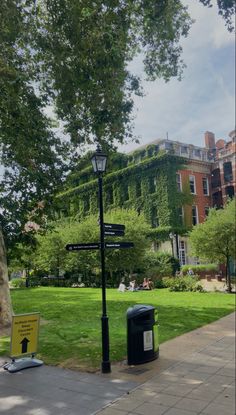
column 215, row 239
column 30, row 154
column 83, row 48
column 73, row 54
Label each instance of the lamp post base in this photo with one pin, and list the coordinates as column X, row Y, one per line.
column 106, row 367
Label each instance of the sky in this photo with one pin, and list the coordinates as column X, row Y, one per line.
column 205, row 98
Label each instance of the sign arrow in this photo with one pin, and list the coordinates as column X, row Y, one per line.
column 118, row 245
column 114, row 226
column 82, row 247
column 24, row 344
column 115, row 232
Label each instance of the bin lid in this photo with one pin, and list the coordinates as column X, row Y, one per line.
column 138, row 309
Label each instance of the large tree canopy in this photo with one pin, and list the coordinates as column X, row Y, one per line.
column 73, row 54
column 83, row 48
column 30, row 153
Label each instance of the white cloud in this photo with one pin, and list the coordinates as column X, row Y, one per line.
column 204, row 99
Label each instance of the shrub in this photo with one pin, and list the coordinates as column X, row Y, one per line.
column 158, row 283
column 160, row 264
column 17, row 283
column 199, row 268
column 187, row 283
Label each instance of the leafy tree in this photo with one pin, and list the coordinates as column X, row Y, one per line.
column 215, row 238
column 160, row 264
column 83, row 49
column 72, row 54
column 30, row 154
column 51, row 255
column 136, row 229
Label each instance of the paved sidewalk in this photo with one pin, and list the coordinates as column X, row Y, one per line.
column 193, row 375
column 200, row 380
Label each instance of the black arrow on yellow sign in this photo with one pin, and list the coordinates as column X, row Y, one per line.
column 24, row 344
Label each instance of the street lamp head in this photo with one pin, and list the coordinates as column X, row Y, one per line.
column 99, row 161
column 172, row 235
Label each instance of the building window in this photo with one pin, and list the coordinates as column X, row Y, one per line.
column 192, row 184
column 205, row 186
column 180, row 215
column 182, row 253
column 154, row 218
column 229, row 191
column 215, row 179
column 184, row 149
column 179, row 182
column 152, row 184
column 194, row 215
column 86, row 205
column 125, row 193
column 197, row 153
column 206, row 211
column 228, row 174
column 138, row 189
column 168, row 145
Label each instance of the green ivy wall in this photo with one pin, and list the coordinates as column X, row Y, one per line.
column 146, row 181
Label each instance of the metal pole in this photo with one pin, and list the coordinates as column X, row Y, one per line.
column 177, row 245
column 106, row 365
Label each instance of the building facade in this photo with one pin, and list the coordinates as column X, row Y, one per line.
column 174, row 184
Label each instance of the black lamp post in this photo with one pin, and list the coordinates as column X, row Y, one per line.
column 171, row 235
column 99, row 160
column 174, row 236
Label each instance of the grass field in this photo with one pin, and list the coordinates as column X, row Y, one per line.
column 70, row 331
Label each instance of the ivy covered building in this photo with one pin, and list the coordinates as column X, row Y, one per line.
column 170, row 182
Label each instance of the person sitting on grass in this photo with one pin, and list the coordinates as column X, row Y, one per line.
column 132, row 286
column 145, row 285
column 150, row 284
column 122, row 287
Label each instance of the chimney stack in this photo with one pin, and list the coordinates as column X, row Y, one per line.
column 210, row 140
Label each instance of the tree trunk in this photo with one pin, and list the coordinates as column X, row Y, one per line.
column 5, row 299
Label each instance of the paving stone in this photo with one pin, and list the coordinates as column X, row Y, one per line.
column 178, row 390
column 150, row 409
column 176, row 411
column 142, row 395
column 112, row 411
column 127, row 403
column 217, row 409
column 164, row 399
column 191, row 404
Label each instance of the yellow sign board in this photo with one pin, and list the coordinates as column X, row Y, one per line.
column 24, row 334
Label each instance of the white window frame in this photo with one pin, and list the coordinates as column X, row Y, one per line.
column 191, row 176
column 179, row 181
column 197, row 220
column 207, row 185
column 182, row 252
column 184, row 149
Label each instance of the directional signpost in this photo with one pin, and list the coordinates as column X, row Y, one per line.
column 116, row 232
column 110, row 229
column 118, row 245
column 82, row 247
column 24, row 342
column 106, row 229
column 113, row 226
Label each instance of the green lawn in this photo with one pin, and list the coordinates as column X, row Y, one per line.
column 70, row 332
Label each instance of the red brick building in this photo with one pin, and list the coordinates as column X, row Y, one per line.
column 210, row 174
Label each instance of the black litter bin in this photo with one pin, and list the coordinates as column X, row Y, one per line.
column 142, row 334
